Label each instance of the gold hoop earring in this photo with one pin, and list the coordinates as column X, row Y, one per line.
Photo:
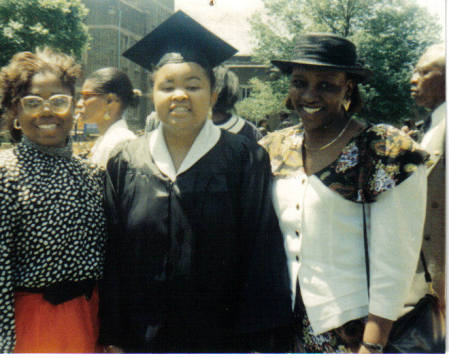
column 16, row 124
column 347, row 104
column 106, row 116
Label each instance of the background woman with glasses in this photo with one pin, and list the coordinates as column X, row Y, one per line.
column 51, row 218
column 105, row 96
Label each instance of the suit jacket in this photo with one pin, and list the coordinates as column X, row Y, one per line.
column 434, row 242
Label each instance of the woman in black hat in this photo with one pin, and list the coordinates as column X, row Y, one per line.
column 323, row 173
column 195, row 259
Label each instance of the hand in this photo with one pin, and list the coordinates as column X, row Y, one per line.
column 113, row 349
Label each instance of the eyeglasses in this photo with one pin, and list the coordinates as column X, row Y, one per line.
column 85, row 95
column 58, row 103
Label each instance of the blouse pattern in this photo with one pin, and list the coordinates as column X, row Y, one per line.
column 388, row 155
column 52, row 225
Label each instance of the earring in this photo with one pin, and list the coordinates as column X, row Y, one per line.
column 16, row 124
column 347, row 104
column 106, row 116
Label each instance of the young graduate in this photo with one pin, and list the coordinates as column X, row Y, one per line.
column 195, row 261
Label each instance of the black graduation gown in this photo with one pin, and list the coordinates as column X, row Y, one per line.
column 196, row 264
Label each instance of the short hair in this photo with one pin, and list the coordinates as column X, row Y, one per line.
column 16, row 77
column 112, row 80
column 437, row 54
column 227, row 88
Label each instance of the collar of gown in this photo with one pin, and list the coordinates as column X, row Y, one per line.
column 203, row 143
column 233, row 124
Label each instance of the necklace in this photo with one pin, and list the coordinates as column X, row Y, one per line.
column 331, row 142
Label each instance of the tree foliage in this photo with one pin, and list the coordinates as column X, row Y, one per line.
column 264, row 100
column 390, row 36
column 27, row 24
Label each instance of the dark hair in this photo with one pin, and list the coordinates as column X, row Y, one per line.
column 16, row 77
column 186, row 56
column 356, row 100
column 112, row 80
column 227, row 87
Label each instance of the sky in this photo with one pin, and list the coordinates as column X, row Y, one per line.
column 228, row 18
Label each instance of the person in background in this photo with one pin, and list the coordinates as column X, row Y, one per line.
column 151, row 122
column 227, row 87
column 52, row 224
column 285, row 121
column 105, row 97
column 195, row 259
column 428, row 88
column 332, row 173
column 263, row 127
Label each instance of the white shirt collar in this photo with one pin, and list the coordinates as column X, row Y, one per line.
column 115, row 134
column 233, row 124
column 204, row 142
column 439, row 115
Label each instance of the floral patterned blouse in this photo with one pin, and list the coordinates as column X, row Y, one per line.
column 52, row 225
column 387, row 154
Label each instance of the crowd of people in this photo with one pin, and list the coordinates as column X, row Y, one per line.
column 206, row 234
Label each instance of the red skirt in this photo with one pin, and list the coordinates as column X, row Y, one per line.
column 70, row 327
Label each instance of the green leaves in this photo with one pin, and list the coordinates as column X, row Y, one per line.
column 27, row 24
column 265, row 99
column 390, row 36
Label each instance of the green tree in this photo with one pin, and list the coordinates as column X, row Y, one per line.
column 390, row 36
column 263, row 100
column 27, row 24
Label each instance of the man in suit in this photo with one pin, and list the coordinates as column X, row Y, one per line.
column 428, row 90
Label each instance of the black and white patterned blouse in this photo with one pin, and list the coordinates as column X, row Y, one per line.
column 52, row 226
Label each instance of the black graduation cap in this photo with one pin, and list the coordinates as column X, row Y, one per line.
column 180, row 34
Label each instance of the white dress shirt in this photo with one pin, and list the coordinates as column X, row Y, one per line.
column 325, row 247
column 115, row 134
column 204, row 142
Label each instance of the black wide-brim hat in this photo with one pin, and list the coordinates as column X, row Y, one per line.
column 326, row 51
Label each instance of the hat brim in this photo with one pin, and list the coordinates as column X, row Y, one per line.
column 286, row 66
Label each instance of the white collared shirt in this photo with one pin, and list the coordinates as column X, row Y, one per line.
column 115, row 134
column 433, row 140
column 204, row 142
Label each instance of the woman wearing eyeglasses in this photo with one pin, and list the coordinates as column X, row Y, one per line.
column 52, row 230
column 105, row 96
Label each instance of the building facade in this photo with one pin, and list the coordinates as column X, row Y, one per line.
column 246, row 68
column 116, row 25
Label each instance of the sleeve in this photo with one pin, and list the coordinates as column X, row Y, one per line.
column 111, row 321
column 266, row 300
column 7, row 216
column 395, row 235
